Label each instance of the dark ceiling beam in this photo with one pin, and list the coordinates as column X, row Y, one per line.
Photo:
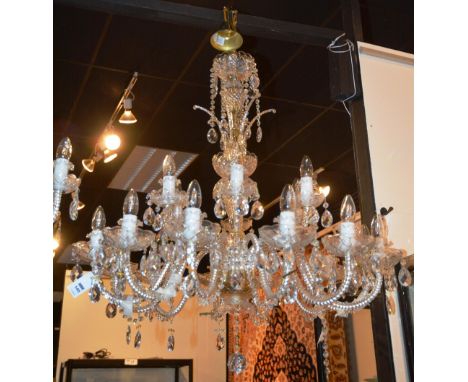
column 207, row 18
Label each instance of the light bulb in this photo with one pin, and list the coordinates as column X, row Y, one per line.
column 99, row 219
column 55, row 244
column 130, row 206
column 376, row 225
column 306, row 168
column 88, row 164
column 111, row 141
column 81, row 205
column 64, row 149
column 288, row 199
column 348, row 209
column 194, row 194
column 169, row 166
column 324, row 190
column 109, row 156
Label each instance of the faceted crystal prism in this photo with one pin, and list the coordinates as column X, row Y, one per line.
column 220, row 342
column 73, row 210
column 111, row 310
column 257, row 210
column 170, row 343
column 212, row 135
column 128, row 335
column 236, row 363
column 148, row 216
column 137, row 341
column 326, row 219
column 219, row 210
column 158, row 222
column 76, row 272
column 404, row 277
column 259, row 134
column 94, row 294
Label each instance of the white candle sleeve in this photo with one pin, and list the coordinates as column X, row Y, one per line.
column 191, row 222
column 306, row 190
column 60, row 173
column 236, row 178
column 287, row 223
column 169, row 183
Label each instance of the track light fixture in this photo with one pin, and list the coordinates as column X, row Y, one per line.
column 127, row 116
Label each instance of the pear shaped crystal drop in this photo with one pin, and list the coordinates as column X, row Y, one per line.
column 137, row 341
column 257, row 210
column 212, row 135
column 158, row 222
column 73, row 210
column 404, row 277
column 327, row 219
column 94, row 294
column 170, row 342
column 259, row 134
column 220, row 342
column 111, row 310
column 148, row 216
column 314, row 216
column 128, row 335
column 236, row 363
column 219, row 210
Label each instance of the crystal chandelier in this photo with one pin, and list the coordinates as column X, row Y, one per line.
column 249, row 273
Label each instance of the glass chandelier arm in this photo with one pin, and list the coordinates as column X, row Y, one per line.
column 211, row 114
column 361, row 303
column 305, row 293
column 258, row 116
column 313, row 311
column 172, row 312
column 57, row 200
column 208, row 293
column 161, row 276
column 137, row 288
column 111, row 297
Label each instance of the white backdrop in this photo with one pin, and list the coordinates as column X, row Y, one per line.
column 387, row 80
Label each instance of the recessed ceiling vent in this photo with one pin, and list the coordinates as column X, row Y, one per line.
column 143, row 168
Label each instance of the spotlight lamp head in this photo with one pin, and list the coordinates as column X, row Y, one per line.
column 88, row 164
column 127, row 117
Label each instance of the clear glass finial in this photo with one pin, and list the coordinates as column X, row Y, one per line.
column 99, row 219
column 130, row 206
column 64, row 149
column 288, row 198
column 194, row 194
column 306, row 168
column 169, row 166
column 348, row 209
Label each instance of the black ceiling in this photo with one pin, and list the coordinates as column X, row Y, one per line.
column 95, row 54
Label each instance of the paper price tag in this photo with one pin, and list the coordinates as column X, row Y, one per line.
column 131, row 362
column 81, row 285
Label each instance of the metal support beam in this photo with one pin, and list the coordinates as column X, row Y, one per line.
column 210, row 19
column 380, row 322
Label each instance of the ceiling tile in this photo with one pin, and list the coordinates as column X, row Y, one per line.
column 324, row 140
column 305, row 79
column 76, row 32
column 157, row 49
